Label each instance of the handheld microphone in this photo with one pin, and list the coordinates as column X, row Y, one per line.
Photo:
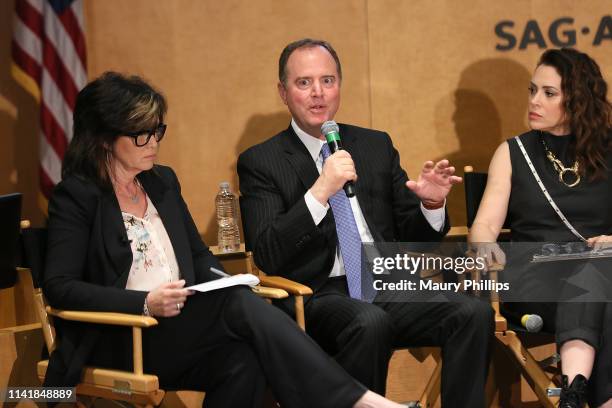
column 331, row 131
column 532, row 322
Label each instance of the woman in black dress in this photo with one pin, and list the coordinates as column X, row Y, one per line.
column 569, row 146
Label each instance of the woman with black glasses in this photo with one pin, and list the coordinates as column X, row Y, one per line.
column 555, row 185
column 121, row 239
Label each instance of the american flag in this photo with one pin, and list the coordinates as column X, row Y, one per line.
column 49, row 61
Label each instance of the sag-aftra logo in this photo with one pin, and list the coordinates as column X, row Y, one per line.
column 562, row 32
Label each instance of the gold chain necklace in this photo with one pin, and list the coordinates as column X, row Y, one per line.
column 560, row 167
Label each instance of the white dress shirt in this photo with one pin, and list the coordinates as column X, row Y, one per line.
column 318, row 211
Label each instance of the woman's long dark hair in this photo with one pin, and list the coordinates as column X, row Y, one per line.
column 587, row 108
column 107, row 107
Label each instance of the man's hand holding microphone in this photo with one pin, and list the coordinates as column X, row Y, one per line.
column 432, row 186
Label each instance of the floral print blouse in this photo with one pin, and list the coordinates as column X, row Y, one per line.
column 153, row 258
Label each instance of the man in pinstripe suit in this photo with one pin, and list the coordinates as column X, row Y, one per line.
column 285, row 189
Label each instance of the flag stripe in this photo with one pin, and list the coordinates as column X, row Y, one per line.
column 50, row 161
column 25, row 62
column 28, row 41
column 30, row 17
column 54, row 100
column 37, row 4
column 52, row 131
column 77, row 11
column 49, row 61
column 57, row 70
column 55, row 33
column 71, row 25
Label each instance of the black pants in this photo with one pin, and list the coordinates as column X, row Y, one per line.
column 230, row 343
column 589, row 322
column 586, row 314
column 362, row 336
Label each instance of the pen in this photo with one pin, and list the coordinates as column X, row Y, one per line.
column 219, row 272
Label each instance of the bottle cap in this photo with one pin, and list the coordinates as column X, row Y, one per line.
column 224, row 185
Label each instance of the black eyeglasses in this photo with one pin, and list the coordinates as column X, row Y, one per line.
column 142, row 137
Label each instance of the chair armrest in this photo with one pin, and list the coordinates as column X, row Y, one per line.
column 458, row 232
column 270, row 293
column 119, row 319
column 290, row 286
column 137, row 322
column 295, row 289
column 501, row 324
column 496, row 267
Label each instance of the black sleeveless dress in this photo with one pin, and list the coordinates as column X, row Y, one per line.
column 588, row 207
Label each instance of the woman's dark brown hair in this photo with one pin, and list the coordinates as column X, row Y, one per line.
column 106, row 108
column 587, row 108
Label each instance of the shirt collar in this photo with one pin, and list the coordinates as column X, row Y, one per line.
column 312, row 143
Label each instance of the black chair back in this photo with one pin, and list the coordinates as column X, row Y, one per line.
column 34, row 252
column 10, row 217
column 474, row 184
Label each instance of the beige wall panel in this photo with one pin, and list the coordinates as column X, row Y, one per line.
column 442, row 90
column 18, row 128
column 217, row 64
column 425, row 71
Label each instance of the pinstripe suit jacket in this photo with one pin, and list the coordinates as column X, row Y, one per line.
column 275, row 175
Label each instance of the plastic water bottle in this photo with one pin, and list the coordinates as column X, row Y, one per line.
column 228, row 238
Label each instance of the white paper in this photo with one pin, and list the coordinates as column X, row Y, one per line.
column 240, row 279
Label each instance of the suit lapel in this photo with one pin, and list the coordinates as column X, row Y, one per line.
column 164, row 200
column 351, row 145
column 115, row 237
column 299, row 158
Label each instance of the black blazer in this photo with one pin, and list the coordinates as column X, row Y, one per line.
column 89, row 259
column 275, row 175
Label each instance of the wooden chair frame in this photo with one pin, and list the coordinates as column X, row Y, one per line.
column 136, row 387
column 242, row 261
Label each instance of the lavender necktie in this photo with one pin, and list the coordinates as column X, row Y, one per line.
column 350, row 243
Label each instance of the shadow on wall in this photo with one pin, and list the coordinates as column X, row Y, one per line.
column 259, row 128
column 488, row 106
